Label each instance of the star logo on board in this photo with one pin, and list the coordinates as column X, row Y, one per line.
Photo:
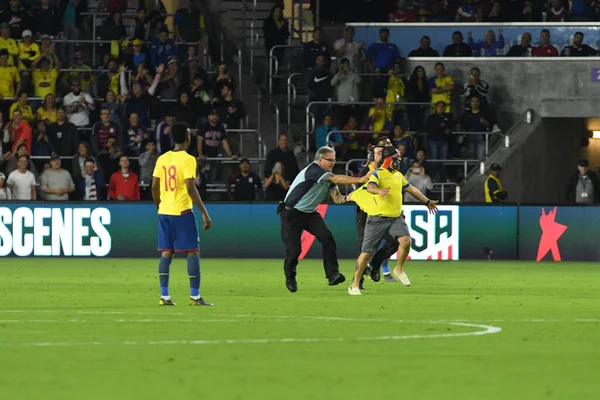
column 551, row 233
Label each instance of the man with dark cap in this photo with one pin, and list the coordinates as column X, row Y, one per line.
column 494, row 191
column 584, row 186
column 248, row 186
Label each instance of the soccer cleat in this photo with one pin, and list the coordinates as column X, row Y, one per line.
column 354, row 291
column 336, row 279
column 199, row 302
column 165, row 302
column 401, row 277
column 388, row 278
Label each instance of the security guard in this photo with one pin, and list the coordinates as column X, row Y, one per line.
column 493, row 190
column 298, row 212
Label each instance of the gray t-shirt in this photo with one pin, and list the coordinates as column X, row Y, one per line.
column 60, row 179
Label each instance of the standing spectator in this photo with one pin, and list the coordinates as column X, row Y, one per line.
column 578, row 49
column 557, row 12
column 90, row 184
column 16, row 17
column 231, row 111
column 346, row 82
column 490, row 47
column 9, row 75
column 191, row 70
column 382, row 55
column 170, row 81
column 285, row 156
column 441, row 87
column 546, row 49
column 439, row 130
column 108, row 158
column 394, row 89
column 276, row 33
column 147, row 162
column 79, row 159
column 276, row 183
column 20, row 131
column 113, row 30
column 314, row 49
column 584, row 186
column 21, row 182
column 468, row 12
column 140, row 101
column 401, row 136
column 458, row 48
column 110, row 79
column 347, row 48
column 56, row 183
column 71, row 16
column 522, row 50
column 210, row 137
column 417, row 176
column 189, row 25
column 5, row 192
column 104, row 129
column 318, row 80
column 42, row 146
column 140, row 26
column 116, row 5
column 9, row 44
column 417, row 91
column 4, row 136
column 138, row 57
column 248, row 186
column 475, row 86
column 354, row 143
column 380, row 117
column 401, row 13
column 183, row 110
column 83, row 72
column 28, row 52
column 78, row 105
column 63, row 135
column 124, row 183
column 424, row 49
column 162, row 48
column 163, row 140
column 44, row 78
column 493, row 190
column 22, row 104
column 322, row 131
column 134, row 136
column 48, row 19
column 47, row 112
column 476, row 120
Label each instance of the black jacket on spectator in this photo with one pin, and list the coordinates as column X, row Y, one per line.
column 216, row 85
column 318, row 81
column 519, row 51
column 231, row 120
column 583, row 51
column 435, row 125
column 471, row 122
column 287, row 158
column 48, row 21
column 428, row 52
column 64, row 137
column 458, row 50
column 141, row 106
column 312, row 50
column 112, row 31
column 273, row 35
column 19, row 21
column 185, row 113
column 574, row 180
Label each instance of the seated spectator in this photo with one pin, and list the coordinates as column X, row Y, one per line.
column 104, row 129
column 458, row 48
column 380, row 117
column 147, row 162
column 476, row 120
column 401, row 13
column 400, row 136
column 110, row 79
column 138, row 57
column 276, row 184
column 248, row 186
column 78, row 105
column 422, row 159
column 22, row 104
column 348, row 48
column 56, row 183
column 417, row 91
column 42, row 146
column 354, row 143
column 11, row 160
column 439, row 130
column 116, row 105
column 424, row 49
column 223, row 77
column 584, row 186
column 314, row 49
column 490, row 47
column 199, row 97
column 10, row 79
column 578, row 49
column 20, row 131
column 191, row 69
column 318, row 80
column 346, row 83
column 522, row 50
column 124, row 183
column 475, row 86
column 468, row 12
column 383, row 54
column 495, row 14
column 211, row 136
column 135, row 136
column 394, row 88
column 439, row 13
column 5, row 192
column 79, row 72
column 441, row 87
column 335, row 140
column 9, row 44
column 417, row 176
column 79, row 157
column 63, row 135
column 556, row 11
column 21, row 182
column 405, row 161
column 546, row 49
column 170, row 81
column 285, row 156
column 231, row 111
column 90, row 183
column 47, row 111
column 189, row 25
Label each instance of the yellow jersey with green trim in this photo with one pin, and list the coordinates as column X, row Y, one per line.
column 373, row 204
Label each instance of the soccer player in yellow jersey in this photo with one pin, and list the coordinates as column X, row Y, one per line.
column 381, row 199
column 174, row 192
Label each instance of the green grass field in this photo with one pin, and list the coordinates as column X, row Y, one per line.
column 92, row 329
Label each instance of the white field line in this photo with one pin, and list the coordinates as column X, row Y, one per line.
column 484, row 330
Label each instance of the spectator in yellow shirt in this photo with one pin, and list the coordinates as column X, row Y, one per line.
column 86, row 78
column 47, row 112
column 44, row 78
column 8, row 43
column 395, row 94
column 28, row 50
column 22, row 104
column 441, row 88
column 380, row 117
column 8, row 76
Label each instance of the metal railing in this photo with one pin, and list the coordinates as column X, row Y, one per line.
column 274, row 64
column 291, row 96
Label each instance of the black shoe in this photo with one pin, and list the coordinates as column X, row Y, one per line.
column 336, row 279
column 291, row 285
column 361, row 285
column 376, row 274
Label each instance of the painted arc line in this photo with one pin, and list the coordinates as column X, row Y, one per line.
column 484, row 330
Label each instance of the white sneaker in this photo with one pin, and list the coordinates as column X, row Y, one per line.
column 354, row 291
column 402, row 278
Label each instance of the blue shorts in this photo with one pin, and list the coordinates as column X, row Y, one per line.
column 178, row 232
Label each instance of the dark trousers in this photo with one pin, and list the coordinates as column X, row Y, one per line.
column 391, row 244
column 293, row 222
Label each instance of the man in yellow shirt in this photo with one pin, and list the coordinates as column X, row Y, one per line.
column 8, row 43
column 22, row 104
column 381, row 199
column 174, row 193
column 8, row 76
column 44, row 78
column 441, row 88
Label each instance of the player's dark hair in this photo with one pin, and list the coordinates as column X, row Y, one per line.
column 179, row 132
column 545, row 31
column 381, row 139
